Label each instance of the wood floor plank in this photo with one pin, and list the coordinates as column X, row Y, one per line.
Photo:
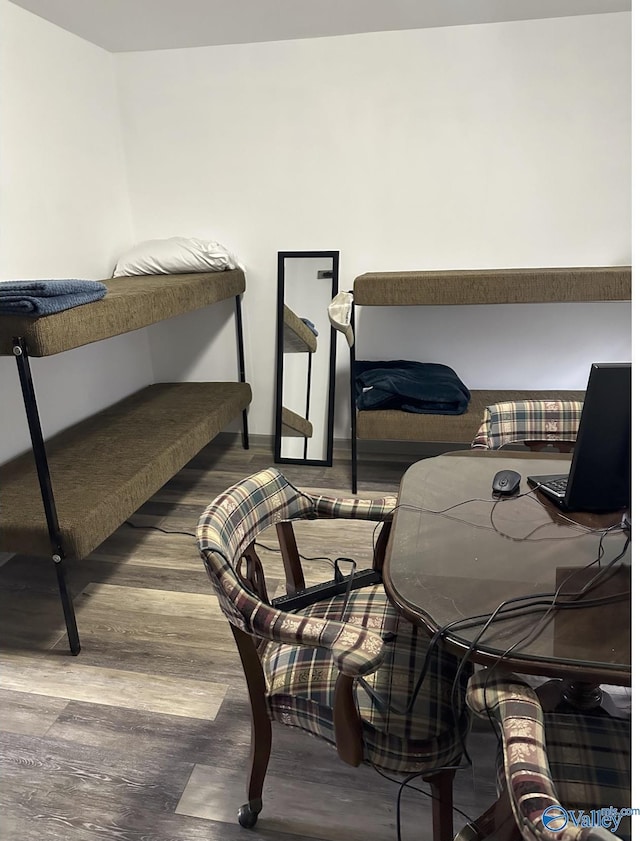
column 78, row 769
column 52, row 791
column 62, row 677
column 190, row 579
column 25, row 574
column 111, row 650
column 198, row 606
column 226, row 742
column 158, row 687
column 150, row 548
column 29, row 621
column 123, row 570
column 149, row 734
column 33, row 811
column 333, row 816
column 106, row 624
column 26, row 713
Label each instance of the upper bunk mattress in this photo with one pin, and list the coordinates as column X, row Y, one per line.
column 298, row 336
column 130, row 303
column 493, row 286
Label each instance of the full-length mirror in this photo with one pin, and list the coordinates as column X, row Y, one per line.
column 305, row 381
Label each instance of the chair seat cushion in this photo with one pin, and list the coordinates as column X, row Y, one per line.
column 590, row 760
column 400, row 735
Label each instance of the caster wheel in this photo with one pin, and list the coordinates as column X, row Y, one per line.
column 247, row 817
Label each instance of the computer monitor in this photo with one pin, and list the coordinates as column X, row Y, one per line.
column 600, row 474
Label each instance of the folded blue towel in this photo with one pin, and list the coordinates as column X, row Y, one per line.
column 44, row 297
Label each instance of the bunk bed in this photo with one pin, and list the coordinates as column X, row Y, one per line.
column 298, row 338
column 478, row 287
column 69, row 493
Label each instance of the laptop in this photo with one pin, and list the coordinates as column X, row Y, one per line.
column 599, row 479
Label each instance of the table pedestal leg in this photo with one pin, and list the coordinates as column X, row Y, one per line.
column 571, row 695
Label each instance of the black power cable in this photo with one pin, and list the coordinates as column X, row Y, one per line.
column 510, row 608
column 507, row 609
column 158, row 528
column 406, row 784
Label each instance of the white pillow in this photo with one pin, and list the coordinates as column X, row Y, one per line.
column 176, row 255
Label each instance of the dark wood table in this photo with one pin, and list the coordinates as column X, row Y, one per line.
column 455, row 552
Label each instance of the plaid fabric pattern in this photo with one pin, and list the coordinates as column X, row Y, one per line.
column 301, row 681
column 514, row 422
column 575, row 760
column 232, row 522
column 306, row 650
column 590, row 760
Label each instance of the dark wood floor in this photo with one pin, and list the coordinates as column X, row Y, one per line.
column 144, row 736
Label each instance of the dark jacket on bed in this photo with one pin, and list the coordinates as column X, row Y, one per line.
column 424, row 387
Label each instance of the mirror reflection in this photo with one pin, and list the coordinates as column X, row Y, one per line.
column 305, row 381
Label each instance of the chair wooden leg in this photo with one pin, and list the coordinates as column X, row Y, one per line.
column 260, row 729
column 260, row 753
column 496, row 823
column 442, row 805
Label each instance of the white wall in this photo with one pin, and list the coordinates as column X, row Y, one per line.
column 480, row 146
column 64, row 209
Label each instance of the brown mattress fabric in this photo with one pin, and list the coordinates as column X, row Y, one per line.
column 130, row 303
column 104, row 468
column 294, row 424
column 492, row 286
column 394, row 425
column 298, row 337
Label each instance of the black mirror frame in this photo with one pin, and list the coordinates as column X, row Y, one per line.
column 278, row 457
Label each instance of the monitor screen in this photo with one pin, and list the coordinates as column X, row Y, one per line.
column 600, row 475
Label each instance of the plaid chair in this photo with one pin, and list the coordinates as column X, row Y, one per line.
column 551, row 766
column 535, row 423
column 346, row 668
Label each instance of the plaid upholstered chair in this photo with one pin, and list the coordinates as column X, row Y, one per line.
column 535, row 423
column 346, row 668
column 550, row 766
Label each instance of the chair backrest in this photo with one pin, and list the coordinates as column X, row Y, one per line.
column 226, row 532
column 535, row 423
column 231, row 523
column 513, row 705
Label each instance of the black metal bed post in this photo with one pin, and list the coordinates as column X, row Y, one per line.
column 44, row 479
column 241, row 371
column 308, row 401
column 354, row 419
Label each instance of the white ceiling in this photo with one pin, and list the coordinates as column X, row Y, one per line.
column 122, row 25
